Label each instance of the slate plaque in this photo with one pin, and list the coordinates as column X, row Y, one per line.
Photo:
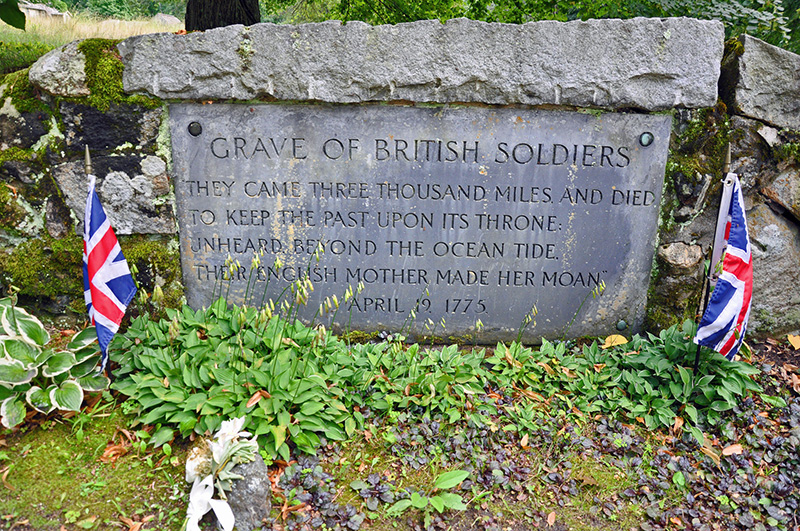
column 461, row 214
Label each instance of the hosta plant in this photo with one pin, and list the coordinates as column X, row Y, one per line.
column 32, row 374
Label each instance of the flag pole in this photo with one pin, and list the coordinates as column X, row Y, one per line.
column 715, row 254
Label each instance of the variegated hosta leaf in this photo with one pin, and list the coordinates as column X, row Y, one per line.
column 83, row 339
column 68, row 396
column 17, row 322
column 60, row 362
column 85, row 367
column 87, row 352
column 14, row 372
column 12, row 412
column 94, row 381
column 39, row 399
column 22, row 351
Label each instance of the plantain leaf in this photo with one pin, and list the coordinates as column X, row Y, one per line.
column 448, row 480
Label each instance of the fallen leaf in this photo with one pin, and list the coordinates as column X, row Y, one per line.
column 707, row 450
column 5, row 472
column 524, row 442
column 599, row 367
column 677, row 521
column 568, row 372
column 113, row 452
column 546, row 368
column 677, row 426
column 795, row 341
column 733, row 449
column 254, row 399
column 551, row 518
column 613, row 340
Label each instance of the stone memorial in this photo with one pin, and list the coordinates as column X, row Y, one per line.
column 445, row 216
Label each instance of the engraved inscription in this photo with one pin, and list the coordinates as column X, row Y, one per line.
column 442, row 214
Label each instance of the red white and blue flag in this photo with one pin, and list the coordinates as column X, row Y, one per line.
column 108, row 286
column 725, row 320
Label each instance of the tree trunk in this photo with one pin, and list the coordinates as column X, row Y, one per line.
column 207, row 14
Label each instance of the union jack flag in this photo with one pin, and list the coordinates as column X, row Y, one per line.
column 107, row 282
column 724, row 322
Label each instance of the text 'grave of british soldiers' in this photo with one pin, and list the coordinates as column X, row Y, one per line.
column 459, row 214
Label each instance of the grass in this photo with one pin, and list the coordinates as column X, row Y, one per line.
column 56, row 33
column 57, row 476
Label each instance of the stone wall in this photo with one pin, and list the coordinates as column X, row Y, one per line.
column 112, row 97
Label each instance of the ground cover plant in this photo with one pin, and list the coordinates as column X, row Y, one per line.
column 390, row 435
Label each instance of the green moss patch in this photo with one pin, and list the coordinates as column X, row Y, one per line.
column 45, row 267
column 23, row 95
column 104, row 76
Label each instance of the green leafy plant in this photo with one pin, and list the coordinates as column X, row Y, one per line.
column 37, row 375
column 437, row 499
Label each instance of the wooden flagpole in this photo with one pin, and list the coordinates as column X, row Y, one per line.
column 726, row 168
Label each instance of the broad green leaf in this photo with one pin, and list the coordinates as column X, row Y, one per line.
column 58, row 363
column 12, row 411
column 279, row 433
column 13, row 372
column 39, row 399
column 453, row 501
column 418, row 501
column 24, row 325
column 398, row 507
column 11, row 14
column 437, row 503
column 83, row 339
column 85, row 367
column 161, row 436
column 68, row 396
column 448, row 480
column 94, row 382
column 22, row 351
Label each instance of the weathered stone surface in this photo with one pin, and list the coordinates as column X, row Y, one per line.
column 680, row 273
column 750, row 153
column 135, row 203
column 785, row 190
column 641, row 63
column 61, row 72
column 250, row 498
column 776, row 278
column 479, row 207
column 104, row 130
column 762, row 81
column 57, row 218
column 21, row 130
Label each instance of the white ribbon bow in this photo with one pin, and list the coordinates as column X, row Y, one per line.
column 200, row 503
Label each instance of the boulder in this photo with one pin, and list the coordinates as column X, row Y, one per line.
column 129, row 196
column 167, row 20
column 250, row 498
column 649, row 64
column 61, row 72
column 775, row 243
column 106, row 130
column 762, row 81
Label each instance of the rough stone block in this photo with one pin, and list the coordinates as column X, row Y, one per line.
column 119, row 125
column 785, row 190
column 135, row 202
column 762, row 81
column 649, row 64
column 776, row 277
column 61, row 72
